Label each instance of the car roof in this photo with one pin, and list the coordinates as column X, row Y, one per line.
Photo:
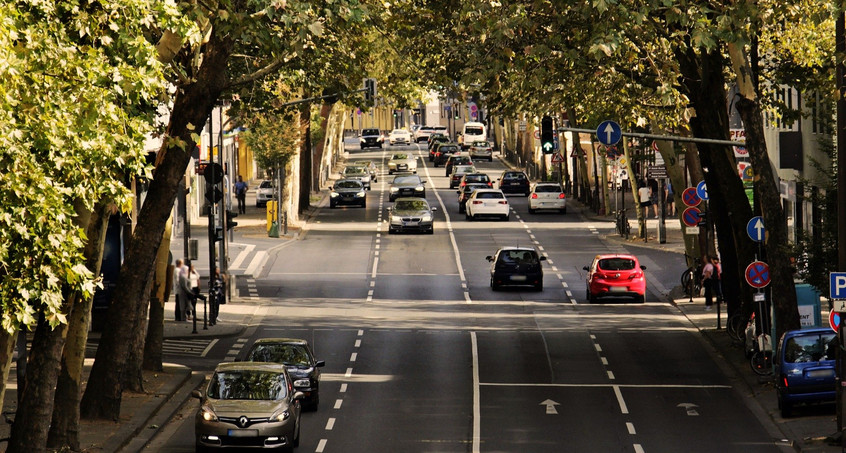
column 297, row 341
column 615, row 255
column 813, row 331
column 516, row 247
column 490, row 190
column 252, row 366
column 476, row 174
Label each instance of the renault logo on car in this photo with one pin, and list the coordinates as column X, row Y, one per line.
column 243, row 420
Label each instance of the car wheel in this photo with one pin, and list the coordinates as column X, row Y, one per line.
column 364, row 205
column 506, row 217
column 331, row 205
column 199, row 448
column 390, row 172
column 494, row 286
column 461, row 209
column 431, row 231
column 363, row 147
column 785, row 408
column 564, row 210
column 531, row 211
column 639, row 299
column 591, row 298
column 539, row 287
column 526, row 193
column 467, row 215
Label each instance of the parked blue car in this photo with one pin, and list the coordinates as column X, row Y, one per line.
column 805, row 368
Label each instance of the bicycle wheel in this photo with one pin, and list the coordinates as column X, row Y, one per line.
column 736, row 326
column 761, row 363
column 686, row 280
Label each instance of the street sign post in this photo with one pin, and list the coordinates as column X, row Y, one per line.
column 690, row 198
column 834, row 320
column 757, row 274
column 755, row 229
column 557, row 158
column 609, row 133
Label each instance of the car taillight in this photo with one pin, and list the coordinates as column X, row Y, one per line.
column 502, row 202
column 490, row 184
column 534, row 196
column 561, row 196
column 477, row 202
column 635, row 275
column 784, row 379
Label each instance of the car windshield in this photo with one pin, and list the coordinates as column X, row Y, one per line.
column 616, row 264
column 490, row 195
column 348, row 185
column 810, row 348
column 248, row 385
column 289, row 354
column 411, row 205
column 353, row 170
column 547, row 188
column 266, row 185
column 481, row 144
column 400, row 157
column 519, row 256
column 407, row 180
column 370, row 132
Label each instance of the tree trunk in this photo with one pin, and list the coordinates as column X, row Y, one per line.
column 704, row 82
column 155, row 328
column 64, row 428
column 766, row 186
column 133, row 379
column 319, row 147
column 7, row 348
column 192, row 106
column 305, row 159
column 32, row 419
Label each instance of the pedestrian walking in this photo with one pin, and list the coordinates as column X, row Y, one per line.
column 708, row 282
column 241, row 194
column 644, row 194
column 217, row 296
column 670, row 197
column 653, row 194
column 194, row 281
column 186, row 295
column 716, row 279
column 178, row 310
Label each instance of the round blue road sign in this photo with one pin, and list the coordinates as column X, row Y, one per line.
column 702, row 190
column 609, row 133
column 755, row 229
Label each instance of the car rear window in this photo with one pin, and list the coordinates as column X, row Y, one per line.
column 474, row 187
column 519, row 176
column 477, row 178
column 473, row 130
column 490, row 195
column 810, row 348
column 448, row 149
column 481, row 144
column 547, row 189
column 266, row 185
column 519, row 256
column 616, row 264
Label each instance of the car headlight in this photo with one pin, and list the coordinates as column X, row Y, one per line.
column 361, row 194
column 333, row 194
column 280, row 416
column 302, row 383
column 365, row 178
column 396, row 219
column 394, row 189
column 392, row 165
column 208, row 414
column 426, row 218
column 361, row 140
column 419, row 189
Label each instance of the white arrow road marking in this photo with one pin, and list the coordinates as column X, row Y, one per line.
column 550, row 407
column 689, row 407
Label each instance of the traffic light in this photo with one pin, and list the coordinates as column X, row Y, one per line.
column 229, row 223
column 369, row 89
column 547, row 135
column 456, row 111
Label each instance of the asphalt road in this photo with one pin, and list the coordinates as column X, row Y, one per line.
column 422, row 356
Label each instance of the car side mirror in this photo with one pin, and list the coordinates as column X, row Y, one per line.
column 434, row 208
column 197, row 394
column 320, row 364
column 542, row 258
column 489, row 258
column 586, row 268
column 389, row 208
column 422, row 181
column 458, row 192
column 643, row 268
column 298, row 396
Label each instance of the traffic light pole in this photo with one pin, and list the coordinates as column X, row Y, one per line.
column 212, row 232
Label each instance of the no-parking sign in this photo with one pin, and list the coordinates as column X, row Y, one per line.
column 758, row 274
column 690, row 197
column 691, row 216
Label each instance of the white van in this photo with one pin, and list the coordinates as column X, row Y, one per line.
column 473, row 132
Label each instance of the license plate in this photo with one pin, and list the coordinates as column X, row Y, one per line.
column 410, row 224
column 820, row 373
column 243, row 433
column 618, row 289
column 514, row 183
column 518, row 278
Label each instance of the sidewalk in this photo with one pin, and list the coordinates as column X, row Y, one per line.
column 806, row 431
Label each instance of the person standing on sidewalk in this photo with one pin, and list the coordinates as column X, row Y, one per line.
column 671, row 201
column 708, row 282
column 194, row 280
column 716, row 282
column 241, row 193
column 644, row 194
column 186, row 296
column 178, row 310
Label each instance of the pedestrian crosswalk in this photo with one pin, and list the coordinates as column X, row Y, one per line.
column 193, row 347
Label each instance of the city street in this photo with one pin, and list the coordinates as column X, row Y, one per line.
column 422, row 356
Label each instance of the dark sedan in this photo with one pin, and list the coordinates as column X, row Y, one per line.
column 407, row 186
column 465, row 192
column 411, row 214
column 516, row 266
column 514, row 182
column 298, row 359
column 443, row 152
column 434, row 143
column 348, row 192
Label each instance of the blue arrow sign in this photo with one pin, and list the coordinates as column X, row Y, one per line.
column 702, row 190
column 837, row 288
column 755, row 229
column 609, row 133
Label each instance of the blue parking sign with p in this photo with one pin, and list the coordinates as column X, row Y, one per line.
column 838, row 285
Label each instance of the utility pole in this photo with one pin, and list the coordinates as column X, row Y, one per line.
column 840, row 47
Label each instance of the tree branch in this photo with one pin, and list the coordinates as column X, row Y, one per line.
column 261, row 73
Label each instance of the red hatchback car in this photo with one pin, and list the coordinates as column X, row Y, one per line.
column 615, row 276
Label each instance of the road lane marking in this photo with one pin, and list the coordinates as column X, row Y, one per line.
column 338, row 403
column 248, row 248
column 638, row 448
column 620, row 400
column 208, row 348
column 604, row 361
column 597, row 347
column 344, row 388
column 631, row 428
column 357, row 343
column 348, row 373
column 477, row 431
column 353, row 356
column 610, row 375
column 598, row 385
column 320, row 446
column 330, row 424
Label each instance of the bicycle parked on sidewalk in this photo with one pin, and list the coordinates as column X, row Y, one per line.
column 691, row 278
column 761, row 359
column 736, row 326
